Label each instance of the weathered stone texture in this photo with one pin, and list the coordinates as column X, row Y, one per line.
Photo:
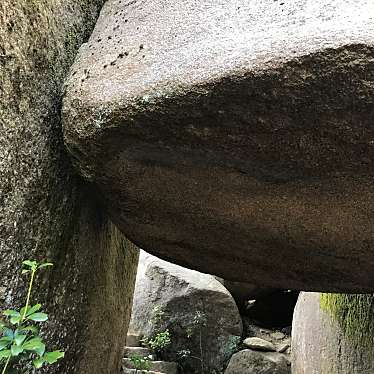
column 234, row 137
column 322, row 345
column 46, row 212
column 191, row 301
column 254, row 362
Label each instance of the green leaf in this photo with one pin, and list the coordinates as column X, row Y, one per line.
column 34, row 309
column 25, row 271
column 30, row 263
column 31, row 310
column 36, row 345
column 4, row 342
column 5, row 354
column 45, row 264
column 16, row 350
column 38, row 317
column 11, row 313
column 30, row 328
column 14, row 320
column 38, row 363
column 9, row 333
column 6, row 338
column 40, row 350
column 52, row 357
column 32, row 343
column 19, row 338
column 14, row 315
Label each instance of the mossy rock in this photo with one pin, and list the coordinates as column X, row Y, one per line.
column 355, row 315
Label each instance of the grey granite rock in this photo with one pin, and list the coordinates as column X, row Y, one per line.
column 188, row 303
column 254, row 362
column 46, row 211
column 259, row 344
column 234, row 137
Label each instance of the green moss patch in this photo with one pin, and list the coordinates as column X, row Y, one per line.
column 355, row 315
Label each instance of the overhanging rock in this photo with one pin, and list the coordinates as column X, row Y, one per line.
column 234, row 137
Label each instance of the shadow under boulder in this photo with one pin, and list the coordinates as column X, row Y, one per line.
column 274, row 310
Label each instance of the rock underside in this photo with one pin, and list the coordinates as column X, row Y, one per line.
column 235, row 139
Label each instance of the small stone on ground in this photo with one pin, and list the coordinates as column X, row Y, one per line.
column 259, row 344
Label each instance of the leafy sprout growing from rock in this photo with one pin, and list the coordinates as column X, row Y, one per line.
column 160, row 339
column 140, row 363
column 198, row 323
column 20, row 339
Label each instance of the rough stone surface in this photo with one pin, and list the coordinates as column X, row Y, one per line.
column 157, row 366
column 180, row 293
column 135, row 371
column 283, row 347
column 137, row 351
column 133, row 340
column 46, row 211
column 278, row 335
column 319, row 345
column 270, row 335
column 254, row 362
column 165, row 367
column 259, row 344
column 234, row 137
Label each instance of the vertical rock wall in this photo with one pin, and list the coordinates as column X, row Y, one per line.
column 46, row 212
column 333, row 334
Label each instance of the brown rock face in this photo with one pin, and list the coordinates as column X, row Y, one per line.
column 46, row 211
column 237, row 140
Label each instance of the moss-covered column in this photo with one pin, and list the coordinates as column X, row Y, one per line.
column 355, row 316
column 46, row 211
column 333, row 334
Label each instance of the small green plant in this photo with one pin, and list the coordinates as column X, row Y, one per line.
column 160, row 338
column 196, row 327
column 19, row 336
column 159, row 341
column 157, row 315
column 140, row 363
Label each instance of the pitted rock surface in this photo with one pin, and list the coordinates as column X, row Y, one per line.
column 234, row 137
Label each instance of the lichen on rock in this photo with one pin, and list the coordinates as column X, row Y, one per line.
column 355, row 315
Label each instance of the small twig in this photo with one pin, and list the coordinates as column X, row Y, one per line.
column 6, row 365
column 28, row 295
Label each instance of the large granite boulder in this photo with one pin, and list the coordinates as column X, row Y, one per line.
column 234, row 137
column 333, row 334
column 46, row 211
column 176, row 297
